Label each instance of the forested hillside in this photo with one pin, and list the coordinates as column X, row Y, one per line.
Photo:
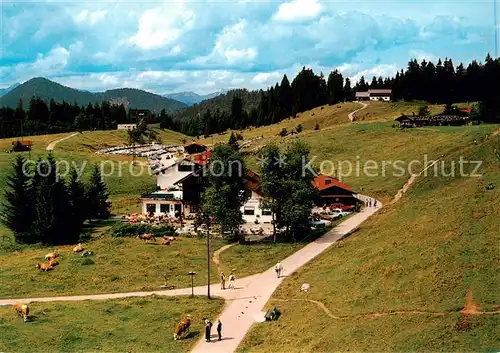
column 435, row 83
column 238, row 109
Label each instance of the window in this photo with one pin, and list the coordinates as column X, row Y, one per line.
column 328, row 182
column 249, row 211
column 165, row 208
column 185, row 167
column 266, row 213
column 151, row 208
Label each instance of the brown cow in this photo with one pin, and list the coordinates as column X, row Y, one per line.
column 183, row 327
column 44, row 267
column 51, row 255
column 78, row 248
column 147, row 236
column 22, row 310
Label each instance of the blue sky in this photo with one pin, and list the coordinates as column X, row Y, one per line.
column 172, row 46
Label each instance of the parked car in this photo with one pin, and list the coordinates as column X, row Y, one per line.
column 339, row 212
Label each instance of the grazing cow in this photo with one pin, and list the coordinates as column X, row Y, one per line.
column 51, row 255
column 44, row 267
column 22, row 310
column 78, row 248
column 183, row 327
column 146, row 237
column 53, row 262
column 165, row 242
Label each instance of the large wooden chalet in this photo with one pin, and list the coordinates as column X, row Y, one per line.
column 331, row 191
column 458, row 117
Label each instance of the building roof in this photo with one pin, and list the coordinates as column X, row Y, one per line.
column 320, row 182
column 202, row 158
column 362, row 94
column 22, row 143
column 380, row 91
column 194, row 147
column 159, row 196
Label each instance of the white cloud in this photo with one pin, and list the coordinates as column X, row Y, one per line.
column 421, row 55
column 266, row 77
column 54, row 61
column 297, row 10
column 163, row 25
column 383, row 70
column 90, row 17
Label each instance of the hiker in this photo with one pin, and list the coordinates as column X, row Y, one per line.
column 231, row 280
column 375, row 203
column 219, row 329
column 208, row 330
column 278, row 268
column 222, row 280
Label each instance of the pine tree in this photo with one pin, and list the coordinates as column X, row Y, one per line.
column 51, row 204
column 233, row 142
column 226, row 194
column 77, row 205
column 18, row 211
column 96, row 196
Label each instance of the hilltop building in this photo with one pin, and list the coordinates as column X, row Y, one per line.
column 375, row 95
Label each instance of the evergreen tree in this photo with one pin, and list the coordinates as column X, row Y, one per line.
column 96, row 196
column 226, row 194
column 273, row 176
column 77, row 205
column 17, row 211
column 51, row 204
column 335, row 87
column 233, row 142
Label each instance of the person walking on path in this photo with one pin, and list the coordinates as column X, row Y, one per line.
column 219, row 329
column 231, row 280
column 375, row 203
column 278, row 268
column 222, row 280
column 208, row 330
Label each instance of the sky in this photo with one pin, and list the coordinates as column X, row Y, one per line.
column 201, row 46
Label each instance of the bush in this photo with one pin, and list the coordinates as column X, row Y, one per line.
column 283, row 132
column 316, row 127
column 299, row 128
column 87, row 261
column 132, row 230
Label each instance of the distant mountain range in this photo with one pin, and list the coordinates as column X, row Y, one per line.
column 190, row 98
column 47, row 90
column 4, row 91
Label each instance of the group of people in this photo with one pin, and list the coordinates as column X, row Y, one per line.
column 369, row 203
column 208, row 330
column 232, row 278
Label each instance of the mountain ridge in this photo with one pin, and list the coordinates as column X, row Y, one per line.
column 130, row 97
column 190, row 98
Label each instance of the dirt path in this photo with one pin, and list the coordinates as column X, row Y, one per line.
column 351, row 115
column 216, row 257
column 247, row 308
column 468, row 310
column 247, row 300
column 53, row 144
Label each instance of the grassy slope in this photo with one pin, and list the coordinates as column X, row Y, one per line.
column 120, row 265
column 372, row 139
column 422, row 254
column 124, row 325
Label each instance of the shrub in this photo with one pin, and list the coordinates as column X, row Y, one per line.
column 132, row 230
column 283, row 132
column 316, row 127
column 299, row 128
column 87, row 261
